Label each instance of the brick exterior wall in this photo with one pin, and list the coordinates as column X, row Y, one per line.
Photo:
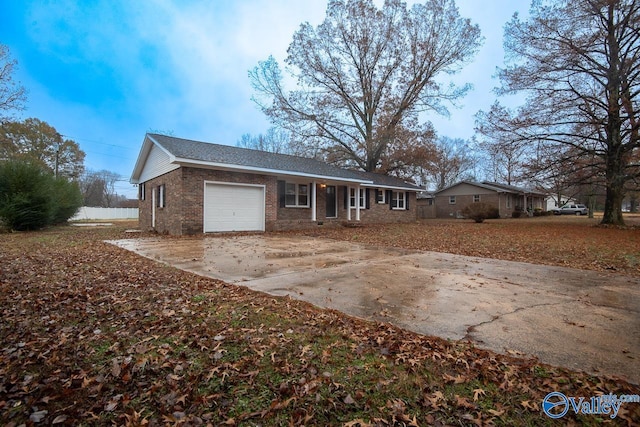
column 183, row 212
column 193, row 192
column 446, row 210
column 381, row 213
column 168, row 218
column 184, row 188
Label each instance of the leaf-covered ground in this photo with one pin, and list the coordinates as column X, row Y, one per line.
column 91, row 334
column 576, row 242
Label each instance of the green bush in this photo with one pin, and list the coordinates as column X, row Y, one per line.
column 31, row 198
column 68, row 198
column 480, row 211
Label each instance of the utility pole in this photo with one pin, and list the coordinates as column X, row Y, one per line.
column 55, row 170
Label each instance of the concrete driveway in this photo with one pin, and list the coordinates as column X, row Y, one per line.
column 578, row 319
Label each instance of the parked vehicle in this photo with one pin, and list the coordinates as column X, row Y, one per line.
column 571, row 209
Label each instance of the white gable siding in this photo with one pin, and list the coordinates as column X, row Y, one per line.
column 158, row 163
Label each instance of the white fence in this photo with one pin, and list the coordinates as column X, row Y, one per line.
column 105, row 213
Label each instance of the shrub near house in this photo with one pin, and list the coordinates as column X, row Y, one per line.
column 32, row 198
column 480, row 211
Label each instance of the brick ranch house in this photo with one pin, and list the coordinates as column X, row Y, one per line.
column 449, row 202
column 190, row 187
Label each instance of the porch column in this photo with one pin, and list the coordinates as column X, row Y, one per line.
column 525, row 204
column 348, row 203
column 313, row 202
column 358, row 202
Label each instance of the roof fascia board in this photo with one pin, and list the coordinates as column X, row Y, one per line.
column 392, row 187
column 240, row 168
column 142, row 158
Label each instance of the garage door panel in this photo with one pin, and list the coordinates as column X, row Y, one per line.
column 233, row 208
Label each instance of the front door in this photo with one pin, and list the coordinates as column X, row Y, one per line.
column 332, row 204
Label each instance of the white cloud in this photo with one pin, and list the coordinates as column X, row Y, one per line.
column 209, row 50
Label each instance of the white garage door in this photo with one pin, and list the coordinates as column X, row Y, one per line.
column 229, row 207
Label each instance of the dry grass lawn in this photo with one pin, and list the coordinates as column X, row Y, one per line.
column 91, row 334
column 568, row 241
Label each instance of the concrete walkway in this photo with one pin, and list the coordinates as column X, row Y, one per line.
column 582, row 320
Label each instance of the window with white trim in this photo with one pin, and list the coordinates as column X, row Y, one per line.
column 296, row 195
column 141, row 191
column 398, row 200
column 362, row 198
column 452, row 200
column 162, row 196
column 381, row 197
column 476, row 198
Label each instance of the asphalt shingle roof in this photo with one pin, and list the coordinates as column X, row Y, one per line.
column 494, row 186
column 186, row 149
column 512, row 188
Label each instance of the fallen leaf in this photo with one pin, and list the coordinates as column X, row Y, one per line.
column 59, row 419
column 115, row 368
column 349, row 400
column 478, row 392
column 38, row 416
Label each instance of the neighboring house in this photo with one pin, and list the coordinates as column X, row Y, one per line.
column 451, row 201
column 189, row 187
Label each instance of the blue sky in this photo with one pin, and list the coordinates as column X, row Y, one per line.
column 104, row 72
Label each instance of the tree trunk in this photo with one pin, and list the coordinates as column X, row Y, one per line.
column 614, row 155
column 615, row 192
column 612, row 208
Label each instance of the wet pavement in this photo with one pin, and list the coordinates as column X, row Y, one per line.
column 579, row 319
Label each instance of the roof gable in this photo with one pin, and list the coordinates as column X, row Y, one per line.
column 157, row 162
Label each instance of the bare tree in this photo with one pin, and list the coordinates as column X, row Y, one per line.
column 363, row 76
column 12, row 94
column 506, row 152
column 274, row 141
column 98, row 189
column 450, row 162
column 579, row 63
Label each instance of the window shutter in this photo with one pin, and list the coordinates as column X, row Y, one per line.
column 389, row 194
column 367, row 194
column 346, row 196
column 406, row 200
column 377, row 195
column 281, row 192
